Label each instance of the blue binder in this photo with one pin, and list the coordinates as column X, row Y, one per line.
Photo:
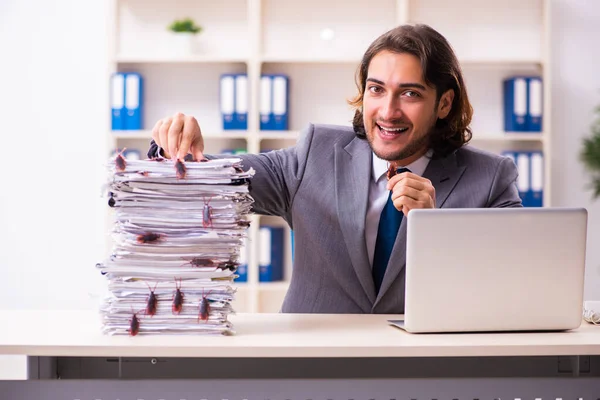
column 132, row 154
column 524, row 179
column 227, row 100
column 242, row 270
column 117, row 96
column 270, row 266
column 234, row 101
column 536, row 186
column 515, row 104
column 265, row 104
column 133, row 101
column 241, row 102
column 274, row 102
column 535, row 104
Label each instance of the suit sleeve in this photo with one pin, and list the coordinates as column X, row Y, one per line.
column 504, row 192
column 277, row 175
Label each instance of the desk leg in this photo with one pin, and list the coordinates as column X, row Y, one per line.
column 41, row 368
column 575, row 365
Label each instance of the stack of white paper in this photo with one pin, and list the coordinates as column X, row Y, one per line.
column 178, row 232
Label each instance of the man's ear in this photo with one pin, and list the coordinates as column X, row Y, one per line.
column 445, row 104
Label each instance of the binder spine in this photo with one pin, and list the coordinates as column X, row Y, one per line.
column 117, row 96
column 515, row 104
column 133, row 101
column 227, row 100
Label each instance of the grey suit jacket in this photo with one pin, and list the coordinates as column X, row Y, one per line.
column 321, row 187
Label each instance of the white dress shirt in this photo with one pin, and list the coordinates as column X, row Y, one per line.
column 378, row 196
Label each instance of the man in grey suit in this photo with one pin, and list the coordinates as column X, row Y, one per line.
column 340, row 188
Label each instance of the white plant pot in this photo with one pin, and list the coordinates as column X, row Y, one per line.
column 183, row 43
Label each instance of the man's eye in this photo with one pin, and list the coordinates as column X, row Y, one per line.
column 411, row 93
column 374, row 89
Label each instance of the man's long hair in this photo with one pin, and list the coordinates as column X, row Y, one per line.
column 440, row 69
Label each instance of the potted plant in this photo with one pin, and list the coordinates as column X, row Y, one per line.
column 184, row 33
column 590, row 155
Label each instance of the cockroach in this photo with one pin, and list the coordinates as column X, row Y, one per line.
column 207, row 215
column 180, row 169
column 143, row 173
column 111, row 200
column 134, row 325
column 200, row 262
column 204, row 311
column 120, row 162
column 151, row 302
column 228, row 266
column 177, row 298
column 149, row 237
column 243, row 223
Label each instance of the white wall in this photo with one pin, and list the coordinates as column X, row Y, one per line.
column 53, row 120
column 53, row 117
column 575, row 94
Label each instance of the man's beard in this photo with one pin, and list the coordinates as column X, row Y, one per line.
column 413, row 147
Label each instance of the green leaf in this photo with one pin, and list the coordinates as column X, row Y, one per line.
column 185, row 25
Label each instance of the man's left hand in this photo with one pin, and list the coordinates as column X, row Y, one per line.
column 410, row 191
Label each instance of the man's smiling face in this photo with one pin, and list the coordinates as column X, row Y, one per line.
column 399, row 108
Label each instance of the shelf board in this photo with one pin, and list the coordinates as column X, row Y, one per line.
column 293, row 135
column 206, row 59
column 487, row 62
column 293, row 58
column 285, row 135
column 274, row 286
column 510, row 137
column 147, row 134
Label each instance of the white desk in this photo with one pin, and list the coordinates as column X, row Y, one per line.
column 77, row 333
column 339, row 348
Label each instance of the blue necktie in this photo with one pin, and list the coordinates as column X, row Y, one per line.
column 389, row 222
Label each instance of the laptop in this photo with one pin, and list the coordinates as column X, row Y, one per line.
column 494, row 269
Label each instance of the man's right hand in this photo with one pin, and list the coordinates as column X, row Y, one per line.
column 179, row 135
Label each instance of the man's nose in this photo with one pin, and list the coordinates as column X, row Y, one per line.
column 392, row 109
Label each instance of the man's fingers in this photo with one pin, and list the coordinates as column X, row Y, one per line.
column 196, row 147
column 175, row 135
column 155, row 135
column 405, row 204
column 163, row 134
column 408, row 192
column 192, row 136
column 416, row 181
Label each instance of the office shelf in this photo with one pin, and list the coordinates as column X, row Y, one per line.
column 319, row 45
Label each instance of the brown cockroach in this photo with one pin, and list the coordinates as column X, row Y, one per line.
column 244, row 223
column 177, row 298
column 207, row 215
column 152, row 301
column 120, row 162
column 180, row 169
column 143, row 173
column 229, row 266
column 134, row 324
column 204, row 311
column 200, row 262
column 149, row 237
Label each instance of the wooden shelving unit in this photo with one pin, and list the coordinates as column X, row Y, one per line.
column 318, row 44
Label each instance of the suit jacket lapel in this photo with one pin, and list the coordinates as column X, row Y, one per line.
column 352, row 175
column 444, row 174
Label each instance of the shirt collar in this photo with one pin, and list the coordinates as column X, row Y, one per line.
column 417, row 167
